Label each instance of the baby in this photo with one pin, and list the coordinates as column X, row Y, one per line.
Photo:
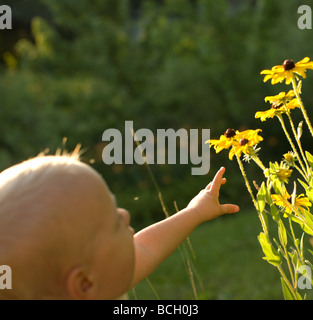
column 64, row 237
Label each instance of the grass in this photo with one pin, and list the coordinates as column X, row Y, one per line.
column 228, row 265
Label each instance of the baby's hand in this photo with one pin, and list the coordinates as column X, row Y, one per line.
column 206, row 203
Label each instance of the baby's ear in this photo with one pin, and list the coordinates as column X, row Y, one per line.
column 79, row 285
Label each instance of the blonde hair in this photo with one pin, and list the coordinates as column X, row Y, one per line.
column 32, row 173
column 26, row 210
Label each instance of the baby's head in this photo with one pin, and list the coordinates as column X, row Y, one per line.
column 61, row 232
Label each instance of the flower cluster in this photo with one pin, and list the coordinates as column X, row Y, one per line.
column 241, row 142
column 272, row 196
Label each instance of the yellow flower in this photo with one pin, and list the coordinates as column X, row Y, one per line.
column 241, row 142
column 251, row 135
column 284, row 174
column 279, row 171
column 287, row 71
column 225, row 141
column 263, row 115
column 280, row 98
column 290, row 158
column 244, row 142
column 285, row 201
column 280, row 104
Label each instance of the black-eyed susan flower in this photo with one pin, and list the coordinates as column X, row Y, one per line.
column 300, row 203
column 224, row 142
column 251, row 135
column 281, row 98
column 244, row 143
column 270, row 113
column 287, row 71
column 279, row 171
column 280, row 103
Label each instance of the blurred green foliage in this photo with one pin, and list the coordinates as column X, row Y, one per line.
column 79, row 67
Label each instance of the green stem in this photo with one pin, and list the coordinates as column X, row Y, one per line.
column 246, row 181
column 294, row 240
column 164, row 208
column 287, row 282
column 297, row 139
column 289, row 266
column 302, row 173
column 251, row 194
column 290, row 140
column 305, row 115
column 258, row 161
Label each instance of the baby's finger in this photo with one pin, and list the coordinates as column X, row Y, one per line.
column 218, row 180
column 230, row 208
column 208, row 187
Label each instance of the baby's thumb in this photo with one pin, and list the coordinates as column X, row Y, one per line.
column 229, row 208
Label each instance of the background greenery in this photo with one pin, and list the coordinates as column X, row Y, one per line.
column 74, row 68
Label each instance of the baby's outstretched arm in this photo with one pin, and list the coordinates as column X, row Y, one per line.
column 156, row 242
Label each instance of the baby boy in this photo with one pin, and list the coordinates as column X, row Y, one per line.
column 64, row 236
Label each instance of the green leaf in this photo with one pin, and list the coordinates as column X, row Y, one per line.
column 274, row 213
column 264, row 216
column 268, row 195
column 294, row 194
column 301, row 245
column 294, row 258
column 309, row 193
column 271, row 255
column 261, row 196
column 303, row 226
column 304, row 185
column 308, row 218
column 282, row 233
column 286, row 291
column 278, row 187
column 308, row 190
column 288, row 295
column 309, row 157
column 299, row 86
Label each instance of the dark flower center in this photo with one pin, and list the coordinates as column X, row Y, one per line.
column 277, row 106
column 229, row 133
column 243, row 141
column 289, row 199
column 288, row 65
